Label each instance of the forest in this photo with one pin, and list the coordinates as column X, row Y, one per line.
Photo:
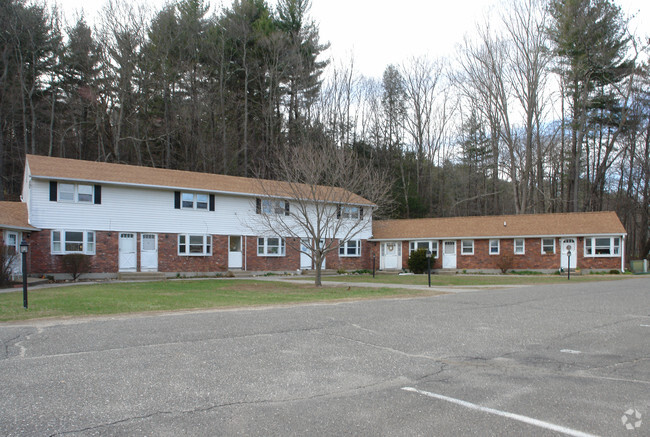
column 545, row 108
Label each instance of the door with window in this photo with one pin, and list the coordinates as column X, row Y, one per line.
column 12, row 245
column 305, row 250
column 235, row 255
column 449, row 255
column 391, row 255
column 566, row 245
column 128, row 261
column 149, row 253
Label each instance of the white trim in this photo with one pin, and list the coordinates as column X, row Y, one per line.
column 541, row 246
column 461, row 248
column 206, row 251
column 498, row 246
column 344, row 245
column 62, row 242
column 430, row 243
column 514, row 246
column 282, row 247
column 611, row 253
column 492, row 237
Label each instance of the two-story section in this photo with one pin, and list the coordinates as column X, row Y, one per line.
column 129, row 218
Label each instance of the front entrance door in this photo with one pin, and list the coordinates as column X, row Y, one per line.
column 128, row 261
column 566, row 245
column 149, row 253
column 321, row 244
column 449, row 255
column 12, row 245
column 391, row 255
column 305, row 250
column 235, row 256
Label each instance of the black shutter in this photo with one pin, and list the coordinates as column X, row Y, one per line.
column 361, row 212
column 52, row 191
column 211, row 202
column 286, row 208
column 258, row 206
column 98, row 194
column 177, row 199
column 338, row 211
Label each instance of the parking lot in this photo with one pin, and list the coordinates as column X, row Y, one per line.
column 571, row 359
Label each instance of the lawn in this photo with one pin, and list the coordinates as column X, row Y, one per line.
column 119, row 298
column 471, row 280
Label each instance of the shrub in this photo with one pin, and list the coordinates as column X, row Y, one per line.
column 7, row 258
column 504, row 263
column 418, row 261
column 614, row 272
column 76, row 264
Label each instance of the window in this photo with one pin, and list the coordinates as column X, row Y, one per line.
column 73, row 242
column 194, row 245
column 270, row 206
column 270, row 246
column 426, row 245
column 520, row 246
column 494, row 247
column 350, row 212
column 76, row 193
column 11, row 242
column 195, row 201
column 350, row 248
column 602, row 246
column 548, row 246
column 467, row 247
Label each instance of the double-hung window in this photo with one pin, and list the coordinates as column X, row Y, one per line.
column 64, row 241
column 272, row 206
column 350, row 212
column 602, row 246
column 494, row 247
column 519, row 246
column 270, row 246
column 195, row 201
column 467, row 247
column 548, row 246
column 76, row 193
column 194, row 245
column 426, row 245
column 350, row 248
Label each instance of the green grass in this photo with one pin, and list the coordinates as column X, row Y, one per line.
column 118, row 298
column 470, row 280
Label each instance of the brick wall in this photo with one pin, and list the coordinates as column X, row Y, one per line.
column 335, row 261
column 170, row 261
column 289, row 262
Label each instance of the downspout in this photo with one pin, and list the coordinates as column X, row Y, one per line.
column 622, row 253
column 245, row 255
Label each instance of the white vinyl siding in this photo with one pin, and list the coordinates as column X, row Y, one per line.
column 69, row 241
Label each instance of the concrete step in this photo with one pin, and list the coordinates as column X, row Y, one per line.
column 141, row 276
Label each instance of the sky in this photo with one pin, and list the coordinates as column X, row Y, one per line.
column 377, row 33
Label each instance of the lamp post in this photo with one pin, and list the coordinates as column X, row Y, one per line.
column 373, row 265
column 24, row 247
column 568, row 254
column 429, row 266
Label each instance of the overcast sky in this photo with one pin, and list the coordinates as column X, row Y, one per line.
column 381, row 32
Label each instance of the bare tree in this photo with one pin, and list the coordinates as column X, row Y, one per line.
column 327, row 196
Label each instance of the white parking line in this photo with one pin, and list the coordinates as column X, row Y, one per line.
column 520, row 418
column 570, row 351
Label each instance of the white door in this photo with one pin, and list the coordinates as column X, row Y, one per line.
column 235, row 255
column 321, row 244
column 568, row 244
column 149, row 253
column 391, row 255
column 12, row 245
column 305, row 259
column 128, row 261
column 449, row 255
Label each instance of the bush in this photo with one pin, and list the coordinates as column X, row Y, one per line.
column 76, row 264
column 614, row 272
column 504, row 263
column 417, row 262
column 7, row 258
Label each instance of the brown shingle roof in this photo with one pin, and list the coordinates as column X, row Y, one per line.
column 72, row 169
column 13, row 215
column 569, row 224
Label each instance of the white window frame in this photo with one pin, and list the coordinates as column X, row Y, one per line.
column 185, row 245
column 346, row 249
column 274, row 206
column 200, row 201
column 462, row 247
column 16, row 244
column 498, row 246
column 264, row 248
column 614, row 247
column 542, row 246
column 75, row 192
column 350, row 212
column 432, row 246
column 59, row 237
column 523, row 246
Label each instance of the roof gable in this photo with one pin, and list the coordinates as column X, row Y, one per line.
column 46, row 167
column 523, row 225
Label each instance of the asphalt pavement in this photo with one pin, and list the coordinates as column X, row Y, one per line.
column 568, row 359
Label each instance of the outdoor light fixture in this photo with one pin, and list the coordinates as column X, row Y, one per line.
column 24, row 248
